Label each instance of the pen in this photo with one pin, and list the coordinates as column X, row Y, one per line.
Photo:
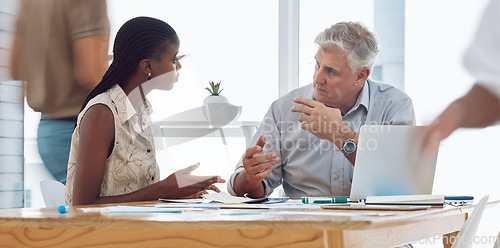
column 307, row 200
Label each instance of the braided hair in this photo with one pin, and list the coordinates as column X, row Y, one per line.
column 139, row 38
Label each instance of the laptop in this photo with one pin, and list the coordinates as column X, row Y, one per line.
column 388, row 162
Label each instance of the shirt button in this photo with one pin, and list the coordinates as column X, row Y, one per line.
column 336, row 177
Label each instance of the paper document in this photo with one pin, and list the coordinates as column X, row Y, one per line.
column 361, row 206
column 131, row 209
column 330, row 213
column 224, row 197
column 185, row 200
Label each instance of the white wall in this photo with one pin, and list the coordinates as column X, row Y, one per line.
column 316, row 16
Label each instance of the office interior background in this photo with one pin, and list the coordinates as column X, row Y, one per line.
column 261, row 49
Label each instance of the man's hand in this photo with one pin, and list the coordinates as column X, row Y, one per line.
column 324, row 122
column 257, row 166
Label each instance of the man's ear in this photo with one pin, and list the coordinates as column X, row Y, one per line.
column 145, row 66
column 362, row 75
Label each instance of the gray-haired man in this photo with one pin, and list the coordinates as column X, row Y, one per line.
column 307, row 140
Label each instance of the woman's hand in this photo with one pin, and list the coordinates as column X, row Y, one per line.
column 181, row 184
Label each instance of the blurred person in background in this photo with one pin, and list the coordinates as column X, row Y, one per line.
column 60, row 50
column 480, row 107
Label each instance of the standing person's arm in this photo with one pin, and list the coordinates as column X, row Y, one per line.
column 14, row 55
column 17, row 43
column 90, row 60
column 88, row 28
column 478, row 108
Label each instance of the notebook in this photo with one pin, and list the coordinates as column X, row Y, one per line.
column 388, row 162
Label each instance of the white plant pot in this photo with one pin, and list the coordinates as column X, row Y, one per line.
column 214, row 99
column 218, row 111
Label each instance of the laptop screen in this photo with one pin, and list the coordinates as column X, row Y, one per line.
column 389, row 162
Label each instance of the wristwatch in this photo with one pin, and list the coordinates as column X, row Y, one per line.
column 349, row 147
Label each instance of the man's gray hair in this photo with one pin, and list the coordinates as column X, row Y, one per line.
column 353, row 38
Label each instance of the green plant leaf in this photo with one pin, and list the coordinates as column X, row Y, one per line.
column 214, row 89
column 209, row 90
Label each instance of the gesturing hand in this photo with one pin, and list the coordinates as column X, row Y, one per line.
column 182, row 184
column 257, row 164
column 324, row 122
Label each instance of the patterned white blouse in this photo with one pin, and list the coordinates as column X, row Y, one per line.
column 132, row 163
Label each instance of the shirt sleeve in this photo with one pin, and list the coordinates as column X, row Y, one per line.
column 482, row 57
column 87, row 18
column 401, row 113
column 268, row 128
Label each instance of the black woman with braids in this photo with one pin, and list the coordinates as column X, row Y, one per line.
column 112, row 156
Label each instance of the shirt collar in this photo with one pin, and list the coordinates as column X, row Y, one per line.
column 363, row 99
column 124, row 107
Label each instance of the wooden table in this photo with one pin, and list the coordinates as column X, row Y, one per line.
column 213, row 228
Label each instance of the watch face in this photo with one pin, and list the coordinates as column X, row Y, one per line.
column 349, row 147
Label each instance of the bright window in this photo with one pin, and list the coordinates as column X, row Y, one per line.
column 235, row 42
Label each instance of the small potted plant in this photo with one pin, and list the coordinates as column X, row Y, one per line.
column 217, row 109
column 215, row 96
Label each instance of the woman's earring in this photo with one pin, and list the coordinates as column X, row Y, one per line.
column 149, row 76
